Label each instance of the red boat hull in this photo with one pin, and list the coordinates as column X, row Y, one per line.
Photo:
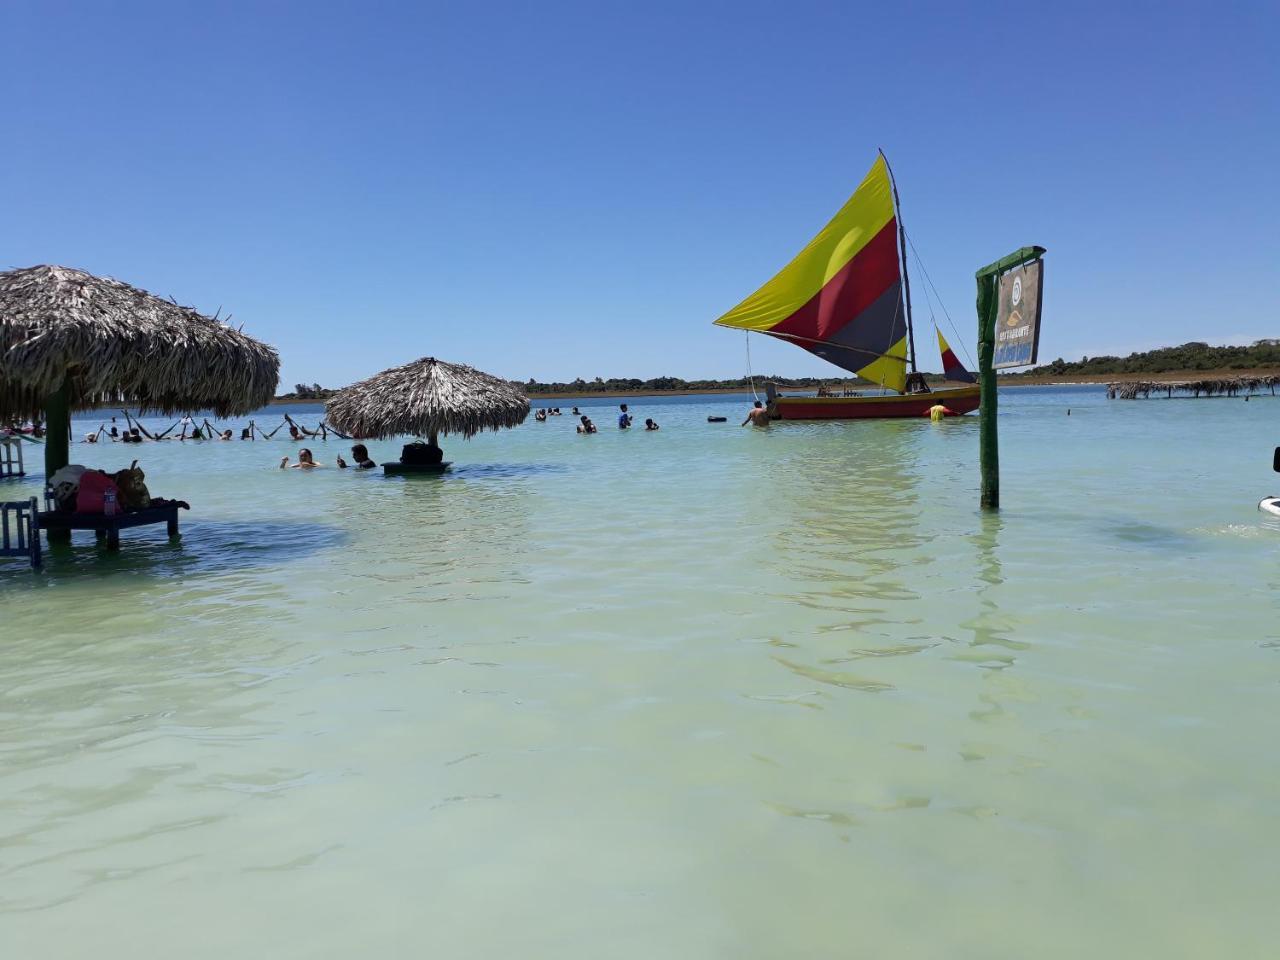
column 961, row 400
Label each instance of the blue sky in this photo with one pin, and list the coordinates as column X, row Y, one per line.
column 569, row 189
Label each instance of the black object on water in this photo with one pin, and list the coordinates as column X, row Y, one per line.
column 1275, row 460
column 421, row 454
column 716, row 419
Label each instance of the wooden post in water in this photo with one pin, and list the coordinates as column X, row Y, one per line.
column 57, row 443
column 988, row 306
column 57, row 434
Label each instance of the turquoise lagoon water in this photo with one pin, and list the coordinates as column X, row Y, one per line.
column 710, row 692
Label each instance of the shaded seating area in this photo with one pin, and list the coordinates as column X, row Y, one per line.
column 426, row 398
column 74, row 341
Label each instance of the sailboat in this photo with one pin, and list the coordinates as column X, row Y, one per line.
column 846, row 297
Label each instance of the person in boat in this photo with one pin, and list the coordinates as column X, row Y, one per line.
column 359, row 458
column 757, row 416
column 586, row 426
column 624, row 418
column 305, row 461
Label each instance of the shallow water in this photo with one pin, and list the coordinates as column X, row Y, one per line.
column 709, row 692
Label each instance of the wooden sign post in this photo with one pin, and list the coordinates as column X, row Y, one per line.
column 1014, row 345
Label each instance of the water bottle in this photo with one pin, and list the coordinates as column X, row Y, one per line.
column 109, row 503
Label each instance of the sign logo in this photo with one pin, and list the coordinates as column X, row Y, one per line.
column 1017, row 331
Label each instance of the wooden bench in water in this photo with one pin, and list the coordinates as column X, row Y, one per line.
column 397, row 468
column 110, row 527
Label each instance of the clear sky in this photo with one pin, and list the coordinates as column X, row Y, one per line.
column 555, row 190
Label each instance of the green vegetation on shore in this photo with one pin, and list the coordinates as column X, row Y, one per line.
column 1194, row 356
column 1189, row 357
column 633, row 385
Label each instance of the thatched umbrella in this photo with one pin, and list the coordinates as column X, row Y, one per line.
column 426, row 398
column 70, row 340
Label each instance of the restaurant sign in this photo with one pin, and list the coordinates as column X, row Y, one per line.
column 1018, row 317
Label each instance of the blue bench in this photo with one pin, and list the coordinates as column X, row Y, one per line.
column 19, row 535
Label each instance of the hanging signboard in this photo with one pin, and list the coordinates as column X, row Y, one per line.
column 1018, row 316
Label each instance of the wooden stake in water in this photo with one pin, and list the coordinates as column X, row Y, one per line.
column 988, row 306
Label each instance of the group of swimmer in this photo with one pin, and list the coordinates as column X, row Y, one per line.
column 757, row 416
column 585, row 424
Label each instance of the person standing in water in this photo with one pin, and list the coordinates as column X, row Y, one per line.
column 360, row 458
column 624, row 418
column 305, row 461
column 757, row 416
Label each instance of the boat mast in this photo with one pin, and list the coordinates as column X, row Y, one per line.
column 902, row 252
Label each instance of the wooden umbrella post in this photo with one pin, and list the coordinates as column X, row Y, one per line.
column 57, row 443
column 57, row 439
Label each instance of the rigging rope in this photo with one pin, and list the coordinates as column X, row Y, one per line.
column 928, row 279
column 751, row 377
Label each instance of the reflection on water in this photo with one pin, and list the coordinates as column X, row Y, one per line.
column 705, row 692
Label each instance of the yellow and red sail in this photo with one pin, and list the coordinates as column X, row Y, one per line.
column 841, row 297
column 952, row 368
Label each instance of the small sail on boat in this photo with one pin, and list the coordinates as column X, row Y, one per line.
column 846, row 297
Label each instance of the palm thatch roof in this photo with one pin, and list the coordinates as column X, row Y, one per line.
column 427, row 397
column 1215, row 387
column 112, row 342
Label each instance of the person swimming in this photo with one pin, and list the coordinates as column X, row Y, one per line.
column 650, row 425
column 586, row 426
column 757, row 416
column 359, row 458
column 305, row 461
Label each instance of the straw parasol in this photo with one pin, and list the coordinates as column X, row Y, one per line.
column 426, row 398
column 70, row 340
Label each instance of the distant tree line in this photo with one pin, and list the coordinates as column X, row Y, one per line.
column 302, row 391
column 1195, row 355
column 678, row 385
